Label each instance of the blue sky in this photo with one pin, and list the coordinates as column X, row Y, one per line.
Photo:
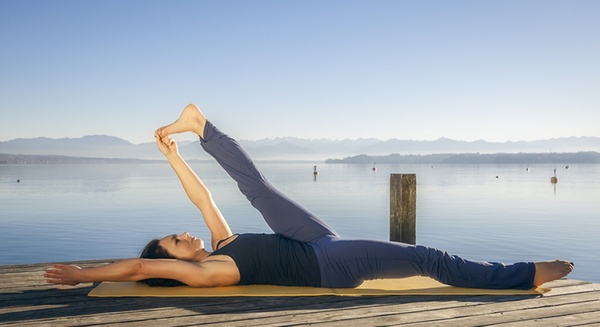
column 467, row 70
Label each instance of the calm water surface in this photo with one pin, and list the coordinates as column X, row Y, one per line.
column 482, row 212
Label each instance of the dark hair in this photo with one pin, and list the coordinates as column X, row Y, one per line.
column 154, row 251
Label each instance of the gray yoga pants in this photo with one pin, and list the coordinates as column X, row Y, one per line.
column 347, row 263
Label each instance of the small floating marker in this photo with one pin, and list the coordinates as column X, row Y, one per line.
column 568, row 166
column 527, row 169
column 554, row 180
column 315, row 172
column 18, row 181
column 496, row 176
column 374, row 168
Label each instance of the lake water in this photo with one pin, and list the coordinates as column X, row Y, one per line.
column 482, row 212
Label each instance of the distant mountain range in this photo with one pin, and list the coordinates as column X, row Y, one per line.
column 289, row 148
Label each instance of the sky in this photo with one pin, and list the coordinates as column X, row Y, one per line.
column 419, row 70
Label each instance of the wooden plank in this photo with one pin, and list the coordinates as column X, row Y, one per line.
column 519, row 312
column 264, row 316
column 459, row 314
column 425, row 312
column 257, row 311
column 591, row 318
column 34, row 303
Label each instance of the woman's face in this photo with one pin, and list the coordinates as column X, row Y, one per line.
column 183, row 246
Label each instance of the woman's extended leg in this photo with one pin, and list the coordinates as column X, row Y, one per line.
column 364, row 260
column 347, row 263
column 283, row 215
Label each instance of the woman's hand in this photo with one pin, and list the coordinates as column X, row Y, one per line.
column 166, row 145
column 63, row 274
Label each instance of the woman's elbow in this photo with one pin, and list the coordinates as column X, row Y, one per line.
column 137, row 269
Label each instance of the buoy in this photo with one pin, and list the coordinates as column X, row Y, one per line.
column 568, row 166
column 18, row 181
column 554, row 180
column 315, row 172
column 374, row 168
column 527, row 169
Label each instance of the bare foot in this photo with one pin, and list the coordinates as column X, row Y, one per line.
column 547, row 271
column 190, row 120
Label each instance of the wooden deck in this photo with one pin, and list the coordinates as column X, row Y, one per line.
column 25, row 300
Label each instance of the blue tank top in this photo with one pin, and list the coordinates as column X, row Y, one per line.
column 273, row 259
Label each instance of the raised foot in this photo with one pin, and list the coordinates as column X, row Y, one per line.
column 547, row 271
column 190, row 120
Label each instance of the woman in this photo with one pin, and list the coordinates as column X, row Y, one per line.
column 304, row 251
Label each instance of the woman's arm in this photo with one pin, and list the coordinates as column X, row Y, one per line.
column 208, row 274
column 121, row 271
column 196, row 191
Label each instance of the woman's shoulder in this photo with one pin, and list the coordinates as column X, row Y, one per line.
column 226, row 240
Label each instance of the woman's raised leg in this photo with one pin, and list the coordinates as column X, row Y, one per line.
column 282, row 214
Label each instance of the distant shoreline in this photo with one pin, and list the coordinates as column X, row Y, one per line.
column 449, row 158
column 32, row 159
column 475, row 158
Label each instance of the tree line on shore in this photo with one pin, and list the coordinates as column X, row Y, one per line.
column 475, row 158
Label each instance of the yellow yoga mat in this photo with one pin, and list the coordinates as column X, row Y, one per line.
column 379, row 287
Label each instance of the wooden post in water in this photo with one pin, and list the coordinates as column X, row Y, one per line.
column 403, row 208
